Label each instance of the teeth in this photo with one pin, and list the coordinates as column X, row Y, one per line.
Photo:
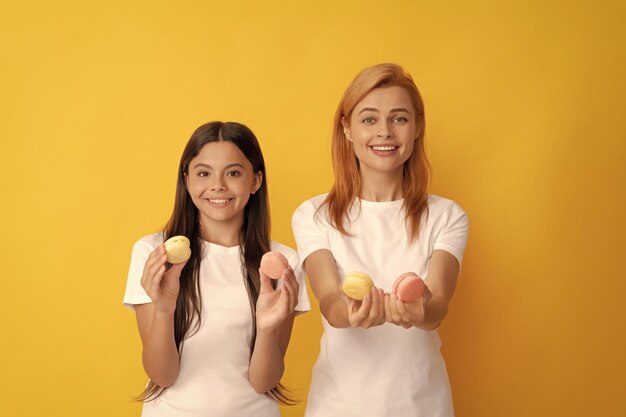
column 384, row 148
column 218, row 201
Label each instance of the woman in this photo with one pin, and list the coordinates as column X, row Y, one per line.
column 379, row 356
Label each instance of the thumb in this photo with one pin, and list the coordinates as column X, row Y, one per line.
column 176, row 269
column 266, row 284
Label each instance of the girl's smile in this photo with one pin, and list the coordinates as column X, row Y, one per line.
column 220, row 181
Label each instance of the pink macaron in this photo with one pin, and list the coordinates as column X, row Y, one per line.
column 273, row 264
column 408, row 287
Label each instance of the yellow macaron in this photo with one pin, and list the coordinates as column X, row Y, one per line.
column 177, row 249
column 356, row 285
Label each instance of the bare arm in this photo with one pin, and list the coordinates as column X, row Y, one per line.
column 338, row 310
column 274, row 322
column 156, row 320
column 428, row 311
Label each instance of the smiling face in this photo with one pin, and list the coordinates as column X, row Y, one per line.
column 382, row 130
column 220, row 180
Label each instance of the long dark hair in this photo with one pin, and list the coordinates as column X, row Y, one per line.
column 254, row 238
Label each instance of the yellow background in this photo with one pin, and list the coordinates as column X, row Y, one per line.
column 525, row 129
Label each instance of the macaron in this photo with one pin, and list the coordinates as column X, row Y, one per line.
column 356, row 285
column 408, row 287
column 273, row 264
column 177, row 249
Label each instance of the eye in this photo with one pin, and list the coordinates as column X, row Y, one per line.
column 202, row 174
column 400, row 120
column 233, row 173
column 368, row 120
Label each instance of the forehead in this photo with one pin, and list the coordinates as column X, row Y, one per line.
column 386, row 98
column 222, row 153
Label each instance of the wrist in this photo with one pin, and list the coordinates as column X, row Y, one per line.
column 264, row 330
column 164, row 313
column 434, row 312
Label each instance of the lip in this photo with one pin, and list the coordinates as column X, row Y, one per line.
column 219, row 202
column 384, row 149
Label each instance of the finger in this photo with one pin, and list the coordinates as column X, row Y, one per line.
column 154, row 285
column 356, row 311
column 157, row 252
column 406, row 316
column 364, row 310
column 393, row 307
column 266, row 284
column 284, row 300
column 153, row 264
column 292, row 285
column 387, row 307
column 176, row 269
column 156, row 256
column 366, row 305
column 288, row 274
column 375, row 309
column 289, row 277
column 381, row 306
column 155, row 269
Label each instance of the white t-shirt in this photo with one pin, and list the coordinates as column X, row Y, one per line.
column 386, row 370
column 213, row 376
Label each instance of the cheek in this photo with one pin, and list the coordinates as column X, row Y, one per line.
column 193, row 188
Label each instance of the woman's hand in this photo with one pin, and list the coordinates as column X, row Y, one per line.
column 274, row 305
column 368, row 312
column 160, row 283
column 406, row 315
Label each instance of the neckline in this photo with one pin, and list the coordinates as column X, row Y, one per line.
column 214, row 247
column 381, row 204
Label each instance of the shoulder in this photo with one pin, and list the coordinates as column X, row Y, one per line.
column 309, row 209
column 440, row 206
column 149, row 242
column 290, row 253
column 312, row 204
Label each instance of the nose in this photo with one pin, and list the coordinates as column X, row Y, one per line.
column 217, row 185
column 383, row 129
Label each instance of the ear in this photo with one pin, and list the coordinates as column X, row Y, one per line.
column 186, row 181
column 256, row 184
column 346, row 128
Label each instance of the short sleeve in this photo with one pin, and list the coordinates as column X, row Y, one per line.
column 453, row 236
column 135, row 293
column 309, row 235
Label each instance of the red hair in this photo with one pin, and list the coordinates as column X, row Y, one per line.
column 416, row 173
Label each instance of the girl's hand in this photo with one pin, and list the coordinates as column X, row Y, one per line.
column 368, row 312
column 274, row 305
column 406, row 315
column 161, row 284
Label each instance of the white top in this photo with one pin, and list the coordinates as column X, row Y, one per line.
column 213, row 376
column 386, row 370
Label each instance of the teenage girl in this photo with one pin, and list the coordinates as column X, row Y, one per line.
column 379, row 356
column 215, row 329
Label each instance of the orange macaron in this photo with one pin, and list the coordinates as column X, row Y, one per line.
column 408, row 287
column 273, row 264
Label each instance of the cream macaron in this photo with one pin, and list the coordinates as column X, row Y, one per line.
column 356, row 285
column 177, row 249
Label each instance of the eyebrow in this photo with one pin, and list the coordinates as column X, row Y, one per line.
column 201, row 165
column 375, row 110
